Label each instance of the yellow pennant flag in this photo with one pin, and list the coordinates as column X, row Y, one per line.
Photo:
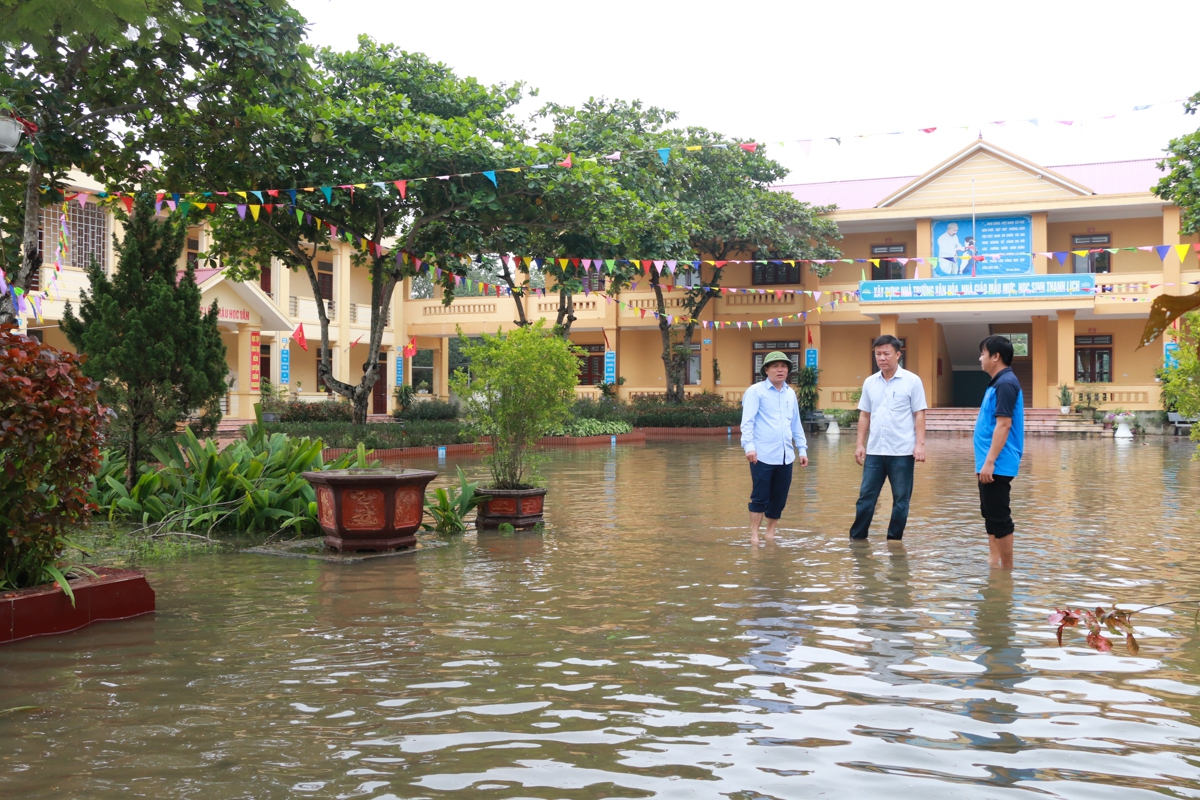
column 243, row 194
column 254, row 212
column 874, row 262
column 693, row 147
column 1182, row 250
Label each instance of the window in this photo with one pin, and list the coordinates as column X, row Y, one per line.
column 421, row 368
column 264, row 280
column 1093, row 359
column 1092, row 261
column 903, row 355
column 593, row 282
column 193, row 250
column 87, row 229
column 688, row 277
column 771, row 274
column 692, row 377
column 761, row 349
column 325, row 281
column 591, row 364
column 887, row 270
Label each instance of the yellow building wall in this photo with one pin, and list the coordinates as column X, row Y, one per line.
column 945, row 382
column 1131, row 366
column 1136, row 232
column 845, row 357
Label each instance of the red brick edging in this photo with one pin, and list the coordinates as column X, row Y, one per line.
column 571, row 441
column 691, row 433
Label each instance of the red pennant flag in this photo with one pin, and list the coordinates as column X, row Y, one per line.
column 128, row 203
column 749, row 147
column 566, row 162
column 299, row 337
column 402, row 187
column 810, row 337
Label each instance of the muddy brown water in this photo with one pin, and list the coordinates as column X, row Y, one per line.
column 641, row 648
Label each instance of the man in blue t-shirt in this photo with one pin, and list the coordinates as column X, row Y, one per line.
column 999, row 442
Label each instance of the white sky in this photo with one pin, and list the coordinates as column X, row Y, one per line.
column 771, row 71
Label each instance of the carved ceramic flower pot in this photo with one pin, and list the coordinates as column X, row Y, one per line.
column 521, row 508
column 370, row 509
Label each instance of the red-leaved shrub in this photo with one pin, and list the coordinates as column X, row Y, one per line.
column 49, row 450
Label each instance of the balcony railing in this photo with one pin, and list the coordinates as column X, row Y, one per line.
column 304, row 309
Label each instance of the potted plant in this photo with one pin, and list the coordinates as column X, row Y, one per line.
column 520, row 386
column 423, row 387
column 403, row 395
column 1121, row 419
column 1064, row 399
column 805, row 381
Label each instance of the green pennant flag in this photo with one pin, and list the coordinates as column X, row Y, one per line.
column 299, row 217
column 608, row 262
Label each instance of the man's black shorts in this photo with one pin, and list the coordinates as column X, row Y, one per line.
column 993, row 505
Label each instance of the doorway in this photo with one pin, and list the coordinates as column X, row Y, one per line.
column 1021, row 336
column 379, row 390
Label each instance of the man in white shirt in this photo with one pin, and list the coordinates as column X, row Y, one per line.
column 891, row 438
column 949, row 248
column 770, row 426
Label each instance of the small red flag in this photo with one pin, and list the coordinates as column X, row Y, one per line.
column 810, row 337
column 299, row 337
column 410, row 349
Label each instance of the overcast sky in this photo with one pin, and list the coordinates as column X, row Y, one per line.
column 785, row 71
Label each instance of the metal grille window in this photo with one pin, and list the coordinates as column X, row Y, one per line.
column 325, row 281
column 1091, row 262
column 887, row 270
column 87, row 238
column 591, row 364
column 592, row 282
column 762, row 349
column 771, row 274
column 193, row 249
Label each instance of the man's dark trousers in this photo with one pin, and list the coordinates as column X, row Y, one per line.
column 899, row 473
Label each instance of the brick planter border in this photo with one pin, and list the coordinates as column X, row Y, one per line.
column 46, row 610
column 691, row 433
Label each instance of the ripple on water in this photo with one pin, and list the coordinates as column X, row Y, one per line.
column 632, row 651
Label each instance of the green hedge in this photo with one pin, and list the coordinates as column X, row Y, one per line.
column 664, row 415
column 379, row 436
column 331, row 410
column 429, row 409
column 593, row 427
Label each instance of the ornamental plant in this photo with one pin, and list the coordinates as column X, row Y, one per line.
column 49, row 449
column 519, row 388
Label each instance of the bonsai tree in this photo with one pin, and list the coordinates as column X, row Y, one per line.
column 520, row 386
column 1064, row 395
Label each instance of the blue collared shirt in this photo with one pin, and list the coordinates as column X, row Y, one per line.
column 771, row 423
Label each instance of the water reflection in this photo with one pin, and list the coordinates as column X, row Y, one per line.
column 640, row 648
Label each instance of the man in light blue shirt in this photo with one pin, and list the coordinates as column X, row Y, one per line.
column 770, row 426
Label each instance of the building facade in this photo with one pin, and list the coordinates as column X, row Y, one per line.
column 940, row 260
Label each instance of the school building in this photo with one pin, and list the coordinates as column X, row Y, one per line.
column 1075, row 313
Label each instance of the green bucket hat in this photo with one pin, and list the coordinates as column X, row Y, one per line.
column 772, row 358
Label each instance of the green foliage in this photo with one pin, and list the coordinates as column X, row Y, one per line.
column 1088, row 396
column 844, row 416
column 449, row 507
column 158, row 356
column 254, row 484
column 521, row 386
column 1181, row 184
column 404, row 395
column 332, row 409
column 605, row 409
column 609, row 390
column 379, row 436
column 49, row 448
column 592, row 427
column 1181, row 383
column 702, row 413
column 1064, row 395
column 429, row 409
column 807, row 391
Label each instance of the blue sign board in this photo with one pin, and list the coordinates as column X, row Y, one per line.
column 285, row 366
column 610, row 366
column 1171, row 355
column 1016, row 288
column 810, row 357
column 399, row 369
column 956, row 242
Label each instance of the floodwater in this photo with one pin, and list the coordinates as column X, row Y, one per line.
column 641, row 648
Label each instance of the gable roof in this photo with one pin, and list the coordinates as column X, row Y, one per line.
column 1130, row 176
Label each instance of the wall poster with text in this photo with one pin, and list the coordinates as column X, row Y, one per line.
column 958, row 242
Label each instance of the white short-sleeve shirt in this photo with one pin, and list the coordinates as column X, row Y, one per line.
column 891, row 405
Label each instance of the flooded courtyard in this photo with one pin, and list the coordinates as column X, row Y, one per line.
column 640, row 647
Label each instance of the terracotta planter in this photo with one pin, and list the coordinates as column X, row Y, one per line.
column 521, row 508
column 43, row 610
column 370, row 509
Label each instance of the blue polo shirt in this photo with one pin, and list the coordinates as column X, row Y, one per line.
column 1002, row 399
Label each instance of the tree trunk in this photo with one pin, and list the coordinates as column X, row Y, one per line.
column 518, row 295
column 131, row 457
column 31, row 259
column 566, row 313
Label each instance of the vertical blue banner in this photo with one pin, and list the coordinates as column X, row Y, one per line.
column 810, row 357
column 285, row 366
column 610, row 366
column 399, row 369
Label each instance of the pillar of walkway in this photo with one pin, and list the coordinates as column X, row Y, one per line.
column 442, row 369
column 812, row 340
column 1065, row 331
column 1040, row 350
column 889, row 325
column 244, row 395
column 1172, row 264
column 1038, row 221
column 924, row 248
column 927, row 349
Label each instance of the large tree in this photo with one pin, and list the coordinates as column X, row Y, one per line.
column 157, row 354
column 96, row 79
column 1181, row 186
column 377, row 114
